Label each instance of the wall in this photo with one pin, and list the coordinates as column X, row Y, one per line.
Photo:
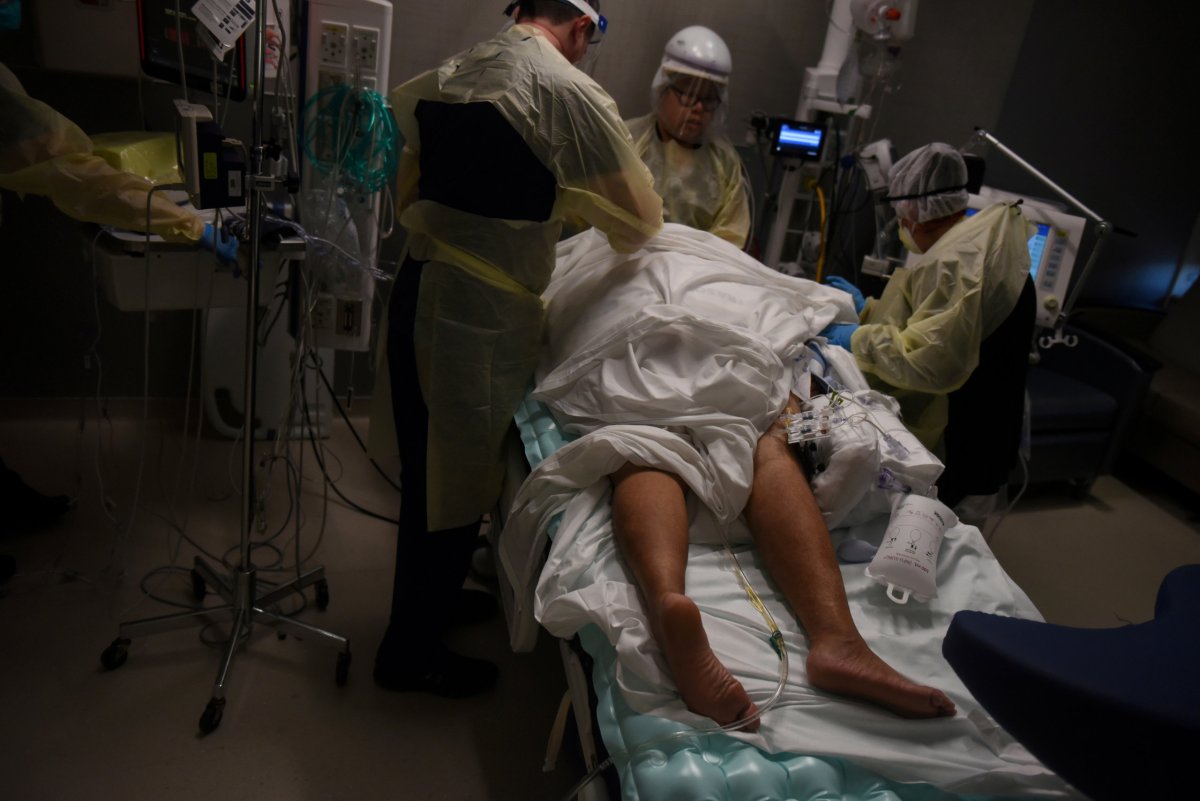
column 1051, row 79
column 1098, row 103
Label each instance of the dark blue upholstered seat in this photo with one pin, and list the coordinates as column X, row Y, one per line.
column 1114, row 711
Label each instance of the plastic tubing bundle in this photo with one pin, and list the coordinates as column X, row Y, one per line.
column 351, row 135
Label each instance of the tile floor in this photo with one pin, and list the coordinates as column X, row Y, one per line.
column 73, row 730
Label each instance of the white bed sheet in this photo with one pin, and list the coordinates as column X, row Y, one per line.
column 699, row 336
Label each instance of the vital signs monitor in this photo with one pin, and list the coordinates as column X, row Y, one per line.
column 1053, row 247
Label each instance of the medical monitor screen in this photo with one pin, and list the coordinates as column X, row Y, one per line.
column 1054, row 244
column 160, row 38
column 1037, row 247
column 793, row 139
column 1037, row 244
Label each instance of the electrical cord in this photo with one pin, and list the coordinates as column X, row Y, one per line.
column 364, row 130
column 321, row 462
column 354, row 431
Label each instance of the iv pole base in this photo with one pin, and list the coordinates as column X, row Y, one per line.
column 243, row 606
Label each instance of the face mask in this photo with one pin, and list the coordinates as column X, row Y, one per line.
column 909, row 243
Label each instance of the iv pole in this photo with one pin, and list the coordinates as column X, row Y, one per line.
column 244, row 602
column 1102, row 228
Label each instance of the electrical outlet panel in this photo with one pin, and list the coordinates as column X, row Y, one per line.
column 323, row 316
column 334, row 38
column 364, row 52
column 328, row 78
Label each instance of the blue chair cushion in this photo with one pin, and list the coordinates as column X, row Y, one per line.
column 1116, row 712
column 1062, row 403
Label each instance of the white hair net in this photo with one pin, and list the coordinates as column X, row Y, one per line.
column 928, row 183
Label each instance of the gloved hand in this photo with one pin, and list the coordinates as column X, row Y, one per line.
column 224, row 245
column 837, row 282
column 839, row 333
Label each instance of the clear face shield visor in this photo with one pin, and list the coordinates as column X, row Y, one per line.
column 599, row 22
column 599, row 27
column 690, row 106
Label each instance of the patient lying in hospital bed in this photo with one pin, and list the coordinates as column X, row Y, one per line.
column 669, row 366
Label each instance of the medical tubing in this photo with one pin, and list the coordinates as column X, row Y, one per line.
column 179, row 48
column 837, row 397
column 325, row 245
column 824, row 243
column 137, row 486
column 362, row 120
column 1013, row 503
column 95, row 354
column 353, row 430
column 329, row 481
column 777, row 645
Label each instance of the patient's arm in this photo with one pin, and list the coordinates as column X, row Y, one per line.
column 791, row 535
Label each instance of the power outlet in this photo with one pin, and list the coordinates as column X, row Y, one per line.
column 365, row 49
column 328, row 78
column 334, row 38
column 349, row 321
column 324, row 313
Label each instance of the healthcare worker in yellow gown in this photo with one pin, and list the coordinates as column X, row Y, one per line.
column 502, row 143
column 696, row 170
column 106, row 180
column 922, row 339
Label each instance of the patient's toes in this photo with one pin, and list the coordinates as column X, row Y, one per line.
column 855, row 670
column 707, row 686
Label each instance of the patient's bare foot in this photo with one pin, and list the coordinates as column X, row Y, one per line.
column 850, row 667
column 707, row 686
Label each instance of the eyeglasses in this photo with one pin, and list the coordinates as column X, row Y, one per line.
column 689, row 98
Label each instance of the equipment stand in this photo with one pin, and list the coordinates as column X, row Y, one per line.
column 244, row 603
column 1102, row 230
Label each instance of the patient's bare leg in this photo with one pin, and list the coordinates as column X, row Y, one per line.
column 650, row 521
column 791, row 534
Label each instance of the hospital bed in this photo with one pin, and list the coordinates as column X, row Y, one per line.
column 558, row 568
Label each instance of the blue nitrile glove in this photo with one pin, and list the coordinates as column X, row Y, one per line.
column 839, row 333
column 837, row 282
column 224, row 245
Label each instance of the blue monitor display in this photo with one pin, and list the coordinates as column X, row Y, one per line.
column 794, row 139
column 1037, row 244
column 1053, row 246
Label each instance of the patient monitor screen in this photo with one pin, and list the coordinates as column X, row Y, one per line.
column 162, row 37
column 794, row 139
column 1037, row 247
column 1053, row 246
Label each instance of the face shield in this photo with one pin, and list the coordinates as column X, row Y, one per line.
column 690, row 107
column 598, row 28
column 599, row 23
column 690, row 91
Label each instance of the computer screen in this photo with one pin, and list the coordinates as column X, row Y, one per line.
column 160, row 35
column 794, row 139
column 1053, row 247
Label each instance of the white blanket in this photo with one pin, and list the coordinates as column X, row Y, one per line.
column 678, row 357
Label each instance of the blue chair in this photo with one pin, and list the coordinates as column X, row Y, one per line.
column 1082, row 403
column 1115, row 712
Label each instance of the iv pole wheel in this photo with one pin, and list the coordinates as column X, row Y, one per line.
column 343, row 668
column 322, row 592
column 115, row 654
column 199, row 589
column 212, row 715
